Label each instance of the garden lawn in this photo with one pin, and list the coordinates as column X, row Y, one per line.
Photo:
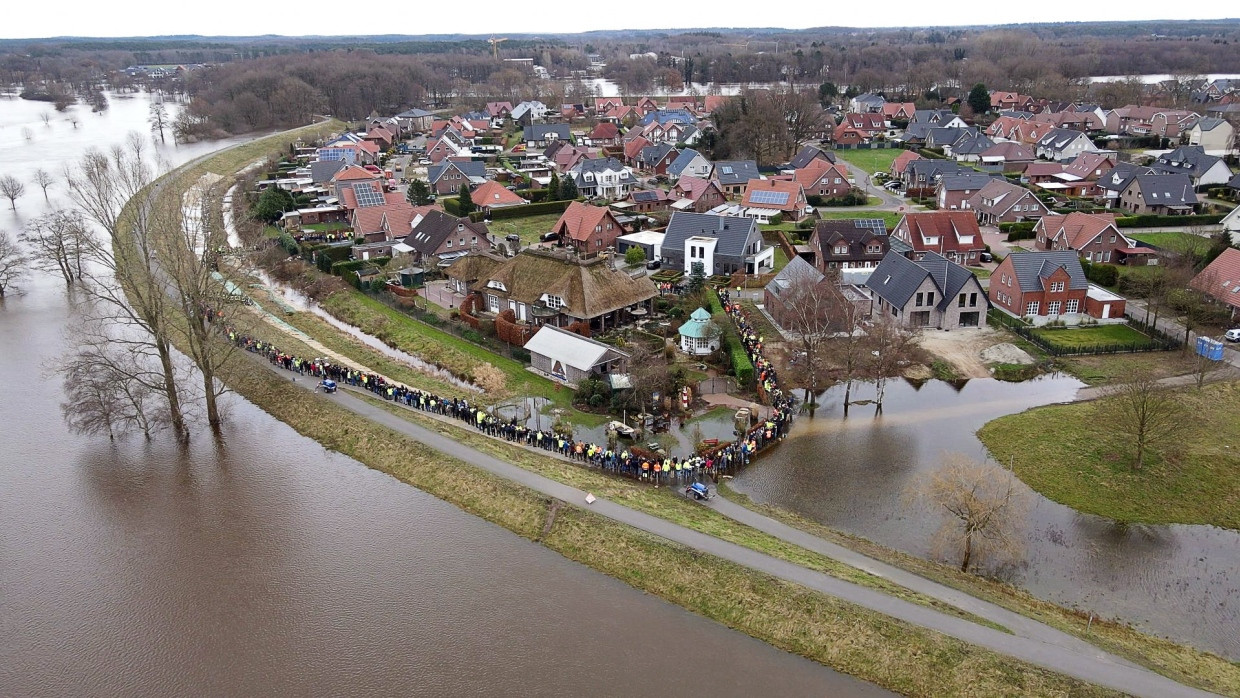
column 1093, row 337
column 1175, row 242
column 1066, row 453
column 876, row 160
column 890, row 218
column 530, row 229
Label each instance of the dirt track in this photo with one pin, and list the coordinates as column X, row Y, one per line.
column 963, row 348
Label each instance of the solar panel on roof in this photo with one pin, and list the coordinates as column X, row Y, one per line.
column 778, row 198
column 368, row 195
column 875, row 224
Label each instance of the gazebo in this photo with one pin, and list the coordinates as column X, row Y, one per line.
column 699, row 336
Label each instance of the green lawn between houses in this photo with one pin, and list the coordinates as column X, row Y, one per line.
column 1092, row 336
column 1174, row 242
column 1067, row 453
column 530, row 229
column 877, row 160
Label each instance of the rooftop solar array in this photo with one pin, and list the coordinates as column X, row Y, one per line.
column 875, row 224
column 778, row 198
column 727, row 169
column 368, row 195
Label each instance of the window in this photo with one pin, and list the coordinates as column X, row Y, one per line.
column 1056, row 286
column 1112, row 238
column 930, row 298
column 960, row 301
column 920, row 297
column 449, row 243
column 972, row 300
column 555, row 302
column 1073, row 305
column 1031, row 308
column 1052, row 308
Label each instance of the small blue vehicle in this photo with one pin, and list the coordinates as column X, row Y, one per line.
column 326, row 385
column 698, row 491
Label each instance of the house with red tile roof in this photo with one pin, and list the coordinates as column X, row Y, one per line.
column 901, row 162
column 604, row 134
column 1221, row 280
column 633, row 149
column 952, row 234
column 603, row 104
column 492, row 195
column 622, row 115
column 898, row 111
column 764, row 198
column 590, row 229
column 1093, row 236
column 702, row 194
column 1004, row 101
column 825, row 179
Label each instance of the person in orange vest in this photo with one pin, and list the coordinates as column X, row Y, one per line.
column 645, row 470
column 658, row 468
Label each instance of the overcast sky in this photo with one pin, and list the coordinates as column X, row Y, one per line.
column 25, row 19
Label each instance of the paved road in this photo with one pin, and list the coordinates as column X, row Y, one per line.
column 1044, row 646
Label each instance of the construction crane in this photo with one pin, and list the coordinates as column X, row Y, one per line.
column 495, row 46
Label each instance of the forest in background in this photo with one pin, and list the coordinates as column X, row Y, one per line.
column 268, row 82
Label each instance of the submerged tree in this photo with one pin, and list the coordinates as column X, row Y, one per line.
column 13, row 263
column 159, row 119
column 983, row 508
column 12, row 189
column 112, row 385
column 59, row 242
column 890, row 346
column 44, row 179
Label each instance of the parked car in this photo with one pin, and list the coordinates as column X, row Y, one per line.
column 550, row 237
column 653, row 264
column 1232, row 335
column 512, row 237
column 986, row 257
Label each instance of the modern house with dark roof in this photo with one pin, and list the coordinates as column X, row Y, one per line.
column 953, row 191
column 541, row 135
column 808, row 154
column 1064, row 144
column 733, row 175
column 447, row 177
column 1192, row 160
column 657, row 158
column 1042, row 287
column 445, row 238
column 849, row 243
column 1160, row 194
column 602, row 177
column 930, row 292
column 720, row 244
column 1212, row 133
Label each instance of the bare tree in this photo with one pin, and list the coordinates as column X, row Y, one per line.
column 136, row 142
column 46, row 117
column 27, row 133
column 111, row 385
column 58, row 242
column 191, row 239
column 811, row 306
column 1203, row 366
column 73, row 120
column 984, row 508
column 12, row 263
column 123, row 275
column 159, row 119
column 12, row 189
column 44, row 179
column 1145, row 411
column 890, row 346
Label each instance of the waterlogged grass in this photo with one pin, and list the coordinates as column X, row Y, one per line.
column 1185, row 664
column 1064, row 452
column 869, row 645
column 1093, row 336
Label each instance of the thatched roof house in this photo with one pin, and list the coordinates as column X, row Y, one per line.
column 557, row 288
column 465, row 271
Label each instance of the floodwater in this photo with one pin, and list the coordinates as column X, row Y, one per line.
column 266, row 565
column 850, row 473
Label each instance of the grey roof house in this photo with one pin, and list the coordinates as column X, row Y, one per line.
column 1193, row 161
column 1162, row 194
column 733, row 175
column 930, row 292
column 689, row 163
column 539, row 135
column 721, row 244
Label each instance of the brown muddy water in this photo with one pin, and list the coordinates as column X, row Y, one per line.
column 850, row 472
column 266, row 565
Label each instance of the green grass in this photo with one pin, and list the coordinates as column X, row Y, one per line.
column 1103, row 369
column 325, row 227
column 871, row 161
column 528, row 228
column 980, row 273
column 1066, row 453
column 890, row 218
column 1174, row 242
column 781, row 258
column 1092, row 337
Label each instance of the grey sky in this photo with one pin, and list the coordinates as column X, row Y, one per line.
column 235, row 18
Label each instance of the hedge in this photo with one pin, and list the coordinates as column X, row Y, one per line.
column 1101, row 274
column 525, row 211
column 742, row 367
column 1153, row 221
column 534, row 196
column 289, row 244
column 1018, row 231
column 325, row 257
column 451, row 206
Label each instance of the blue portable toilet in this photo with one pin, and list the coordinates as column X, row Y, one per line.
column 1211, row 349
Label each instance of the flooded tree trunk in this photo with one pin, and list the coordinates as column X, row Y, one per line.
column 968, row 552
column 175, row 416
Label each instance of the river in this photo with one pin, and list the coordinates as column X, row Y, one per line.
column 266, row 565
column 850, row 473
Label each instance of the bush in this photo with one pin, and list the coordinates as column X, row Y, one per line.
column 1152, row 221
column 472, row 336
column 525, row 211
column 806, row 224
column 813, row 200
column 452, row 207
column 289, row 244
column 347, row 266
column 855, row 197
column 325, row 257
column 534, row 196
column 1101, row 274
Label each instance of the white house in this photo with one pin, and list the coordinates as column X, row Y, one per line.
column 1231, row 223
column 1211, row 133
column 1064, row 144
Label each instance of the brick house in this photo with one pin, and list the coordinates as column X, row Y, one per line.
column 764, row 198
column 853, row 243
column 930, row 292
column 704, row 194
column 954, row 191
column 447, row 177
column 825, row 179
column 443, row 237
column 952, row 234
column 1049, row 286
column 1000, row 201
column 1221, row 280
column 1093, row 236
column 590, row 229
column 1160, row 194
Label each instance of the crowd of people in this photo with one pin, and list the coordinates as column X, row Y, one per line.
column 635, row 462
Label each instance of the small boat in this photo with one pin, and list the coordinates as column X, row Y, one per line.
column 621, row 429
